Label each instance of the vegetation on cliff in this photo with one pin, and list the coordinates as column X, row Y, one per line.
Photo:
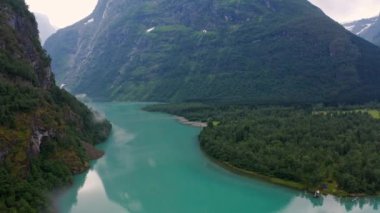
column 43, row 129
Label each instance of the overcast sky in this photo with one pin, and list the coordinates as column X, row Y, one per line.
column 62, row 12
column 349, row 10
column 66, row 12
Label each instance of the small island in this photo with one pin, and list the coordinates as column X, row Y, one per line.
column 334, row 150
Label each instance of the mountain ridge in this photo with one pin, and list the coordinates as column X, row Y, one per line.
column 368, row 29
column 263, row 51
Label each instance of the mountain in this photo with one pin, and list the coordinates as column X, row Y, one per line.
column 258, row 51
column 368, row 29
column 44, row 26
column 46, row 135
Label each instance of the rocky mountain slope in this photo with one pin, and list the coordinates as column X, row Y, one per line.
column 45, row 132
column 368, row 29
column 45, row 28
column 260, row 51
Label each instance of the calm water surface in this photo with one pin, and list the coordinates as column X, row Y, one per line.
column 154, row 164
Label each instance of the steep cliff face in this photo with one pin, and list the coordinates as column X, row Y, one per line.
column 20, row 44
column 44, row 131
column 258, row 51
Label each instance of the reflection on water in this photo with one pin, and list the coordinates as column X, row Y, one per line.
column 120, row 136
column 93, row 190
column 154, row 165
column 331, row 204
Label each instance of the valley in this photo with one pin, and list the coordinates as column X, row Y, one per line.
column 204, row 105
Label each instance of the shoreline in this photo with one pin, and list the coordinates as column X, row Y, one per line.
column 94, row 153
column 250, row 174
column 254, row 175
column 273, row 180
column 278, row 181
column 185, row 121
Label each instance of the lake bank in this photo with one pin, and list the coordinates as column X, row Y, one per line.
column 277, row 181
column 326, row 185
column 332, row 190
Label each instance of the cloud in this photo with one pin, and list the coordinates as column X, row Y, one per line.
column 348, row 10
column 63, row 12
column 121, row 136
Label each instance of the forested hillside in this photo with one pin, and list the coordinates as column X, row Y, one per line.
column 259, row 51
column 43, row 129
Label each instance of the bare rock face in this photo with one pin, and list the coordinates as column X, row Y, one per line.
column 3, row 153
column 46, row 78
column 25, row 29
column 38, row 136
column 91, row 151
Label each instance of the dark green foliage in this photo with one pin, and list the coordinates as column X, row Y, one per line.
column 14, row 100
column 49, row 174
column 30, row 103
column 339, row 147
column 28, row 195
column 97, row 131
column 254, row 51
column 47, row 171
column 192, row 111
column 16, row 69
column 18, row 196
column 18, row 6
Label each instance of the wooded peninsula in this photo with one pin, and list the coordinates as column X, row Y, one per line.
column 332, row 149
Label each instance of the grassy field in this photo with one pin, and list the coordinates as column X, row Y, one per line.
column 374, row 113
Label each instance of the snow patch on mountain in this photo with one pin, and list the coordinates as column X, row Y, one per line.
column 368, row 29
column 89, row 21
column 350, row 27
column 367, row 26
column 150, row 29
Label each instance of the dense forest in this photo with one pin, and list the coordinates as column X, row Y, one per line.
column 334, row 149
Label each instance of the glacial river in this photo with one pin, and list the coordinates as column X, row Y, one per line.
column 154, row 164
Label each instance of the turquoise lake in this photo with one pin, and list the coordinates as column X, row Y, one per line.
column 154, row 164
